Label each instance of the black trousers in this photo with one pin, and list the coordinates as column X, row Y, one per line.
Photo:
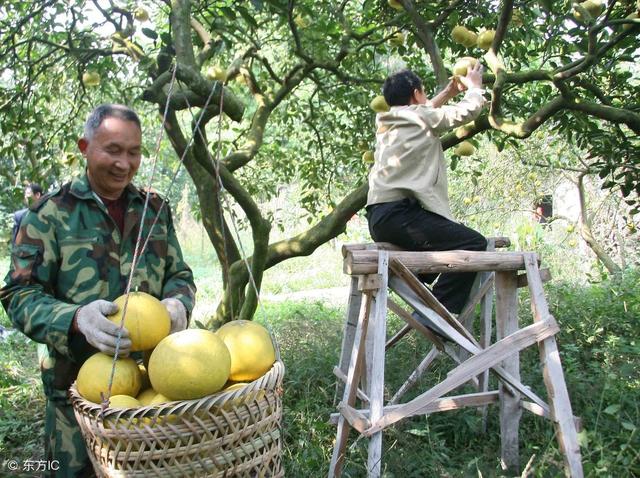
column 407, row 225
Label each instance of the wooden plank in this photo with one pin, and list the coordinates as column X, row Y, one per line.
column 411, row 298
column 369, row 282
column 545, row 276
column 353, row 377
column 486, row 319
column 485, row 359
column 356, row 418
column 510, row 412
column 419, row 262
column 372, row 246
column 440, row 405
column 553, row 376
column 498, row 242
column 351, row 320
column 376, row 379
column 359, row 393
column 415, row 375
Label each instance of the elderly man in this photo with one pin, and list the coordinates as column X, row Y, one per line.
column 73, row 256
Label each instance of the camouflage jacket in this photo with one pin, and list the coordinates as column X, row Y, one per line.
column 69, row 252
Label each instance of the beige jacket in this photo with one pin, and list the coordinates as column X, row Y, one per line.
column 409, row 161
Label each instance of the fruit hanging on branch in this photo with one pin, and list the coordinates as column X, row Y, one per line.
column 588, row 10
column 141, row 14
column 464, row 149
column 379, row 104
column 485, row 39
column 395, row 4
column 90, row 78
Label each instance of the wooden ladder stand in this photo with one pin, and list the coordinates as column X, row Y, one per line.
column 376, row 268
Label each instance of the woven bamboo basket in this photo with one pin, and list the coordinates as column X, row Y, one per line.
column 235, row 433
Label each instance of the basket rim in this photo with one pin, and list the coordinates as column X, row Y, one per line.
column 272, row 379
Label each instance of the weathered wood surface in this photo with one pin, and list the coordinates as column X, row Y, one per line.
column 473, row 366
column 359, row 262
column 378, row 331
column 351, row 320
column 440, row 405
column 486, row 324
column 553, row 375
column 498, row 242
column 510, row 412
column 465, row 341
column 350, row 388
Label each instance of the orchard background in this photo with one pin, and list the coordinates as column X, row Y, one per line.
column 279, row 178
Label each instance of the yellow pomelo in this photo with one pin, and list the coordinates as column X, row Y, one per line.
column 463, row 64
column 91, row 78
column 471, row 39
column 146, row 396
column 395, row 4
column 94, row 375
column 485, row 39
column 379, row 104
column 251, row 349
column 368, row 156
column 593, row 8
column 459, row 34
column 216, row 73
column 464, row 149
column 123, row 401
column 397, row 39
column 189, row 364
column 158, row 398
column 141, row 14
column 147, row 320
column 235, row 386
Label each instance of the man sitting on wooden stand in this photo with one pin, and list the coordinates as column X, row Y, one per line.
column 408, row 202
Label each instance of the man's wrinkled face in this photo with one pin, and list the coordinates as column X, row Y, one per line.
column 113, row 156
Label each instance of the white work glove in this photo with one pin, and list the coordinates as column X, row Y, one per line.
column 177, row 312
column 101, row 332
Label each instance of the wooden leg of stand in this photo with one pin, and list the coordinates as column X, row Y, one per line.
column 351, row 321
column 510, row 411
column 376, row 379
column 351, row 386
column 554, row 377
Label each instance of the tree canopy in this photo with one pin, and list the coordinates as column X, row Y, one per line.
column 293, row 80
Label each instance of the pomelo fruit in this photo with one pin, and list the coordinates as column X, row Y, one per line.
column 464, row 149
column 189, row 364
column 146, row 396
column 146, row 319
column 251, row 349
column 123, row 401
column 379, row 104
column 463, row 64
column 93, row 377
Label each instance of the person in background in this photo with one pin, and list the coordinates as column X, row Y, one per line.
column 72, row 258
column 32, row 193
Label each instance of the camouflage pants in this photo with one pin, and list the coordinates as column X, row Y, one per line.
column 64, row 442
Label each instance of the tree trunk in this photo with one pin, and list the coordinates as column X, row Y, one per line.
column 587, row 234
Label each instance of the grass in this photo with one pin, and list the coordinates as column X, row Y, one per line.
column 599, row 348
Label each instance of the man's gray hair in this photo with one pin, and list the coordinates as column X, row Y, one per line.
column 100, row 113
